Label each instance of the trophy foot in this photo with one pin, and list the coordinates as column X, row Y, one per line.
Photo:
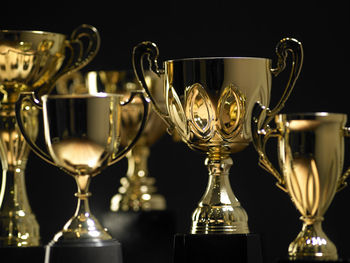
column 220, row 219
column 21, row 230
column 82, row 230
column 312, row 244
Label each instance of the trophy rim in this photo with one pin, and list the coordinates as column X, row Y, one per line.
column 308, row 115
column 80, row 96
column 215, row 58
column 36, row 32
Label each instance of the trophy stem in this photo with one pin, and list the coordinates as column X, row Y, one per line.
column 312, row 243
column 219, row 211
column 83, row 227
column 138, row 191
column 18, row 225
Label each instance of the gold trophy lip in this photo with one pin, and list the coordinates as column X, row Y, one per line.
column 80, row 96
column 215, row 58
column 35, row 32
column 309, row 115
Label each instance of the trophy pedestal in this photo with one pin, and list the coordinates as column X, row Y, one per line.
column 106, row 251
column 22, row 254
column 147, row 236
column 240, row 248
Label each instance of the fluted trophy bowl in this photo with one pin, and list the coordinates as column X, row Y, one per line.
column 30, row 61
column 311, row 157
column 209, row 102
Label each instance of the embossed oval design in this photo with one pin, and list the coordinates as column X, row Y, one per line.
column 176, row 112
column 231, row 111
column 199, row 111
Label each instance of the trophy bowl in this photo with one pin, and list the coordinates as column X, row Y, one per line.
column 137, row 191
column 30, row 61
column 311, row 156
column 209, row 103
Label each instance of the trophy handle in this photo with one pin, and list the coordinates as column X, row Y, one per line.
column 145, row 101
column 342, row 181
column 149, row 49
column 260, row 138
column 295, row 48
column 82, row 47
column 31, row 98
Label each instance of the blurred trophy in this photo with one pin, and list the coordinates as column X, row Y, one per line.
column 311, row 156
column 30, row 61
column 209, row 102
column 137, row 191
column 82, row 135
column 137, row 207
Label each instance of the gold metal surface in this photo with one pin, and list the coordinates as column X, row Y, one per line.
column 209, row 103
column 137, row 190
column 30, row 61
column 82, row 135
column 311, row 156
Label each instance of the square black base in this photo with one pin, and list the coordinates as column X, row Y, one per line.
column 22, row 254
column 209, row 248
column 106, row 252
column 147, row 236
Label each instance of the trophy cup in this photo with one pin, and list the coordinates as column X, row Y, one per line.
column 209, row 103
column 82, row 135
column 311, row 156
column 30, row 61
column 137, row 208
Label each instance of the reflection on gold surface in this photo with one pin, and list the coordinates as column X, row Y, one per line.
column 209, row 104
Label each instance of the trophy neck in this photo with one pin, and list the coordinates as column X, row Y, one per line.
column 137, row 191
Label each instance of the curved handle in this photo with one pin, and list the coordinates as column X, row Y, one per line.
column 145, row 102
column 342, row 180
column 30, row 97
column 82, row 47
column 283, row 48
column 150, row 50
column 260, row 138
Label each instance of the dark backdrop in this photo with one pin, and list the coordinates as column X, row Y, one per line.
column 192, row 29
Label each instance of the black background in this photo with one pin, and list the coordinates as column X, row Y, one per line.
column 193, row 29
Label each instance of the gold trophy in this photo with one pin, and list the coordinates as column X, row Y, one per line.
column 209, row 102
column 137, row 191
column 311, row 156
column 30, row 61
column 82, row 135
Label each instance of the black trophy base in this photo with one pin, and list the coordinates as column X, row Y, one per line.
column 311, row 261
column 147, row 236
column 22, row 254
column 103, row 252
column 208, row 248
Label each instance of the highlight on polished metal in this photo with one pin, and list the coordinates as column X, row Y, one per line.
column 209, row 102
column 82, row 135
column 137, row 191
column 311, row 157
column 30, row 61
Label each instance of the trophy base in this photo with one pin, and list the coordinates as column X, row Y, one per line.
column 311, row 261
column 208, row 248
column 22, row 254
column 73, row 252
column 147, row 236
